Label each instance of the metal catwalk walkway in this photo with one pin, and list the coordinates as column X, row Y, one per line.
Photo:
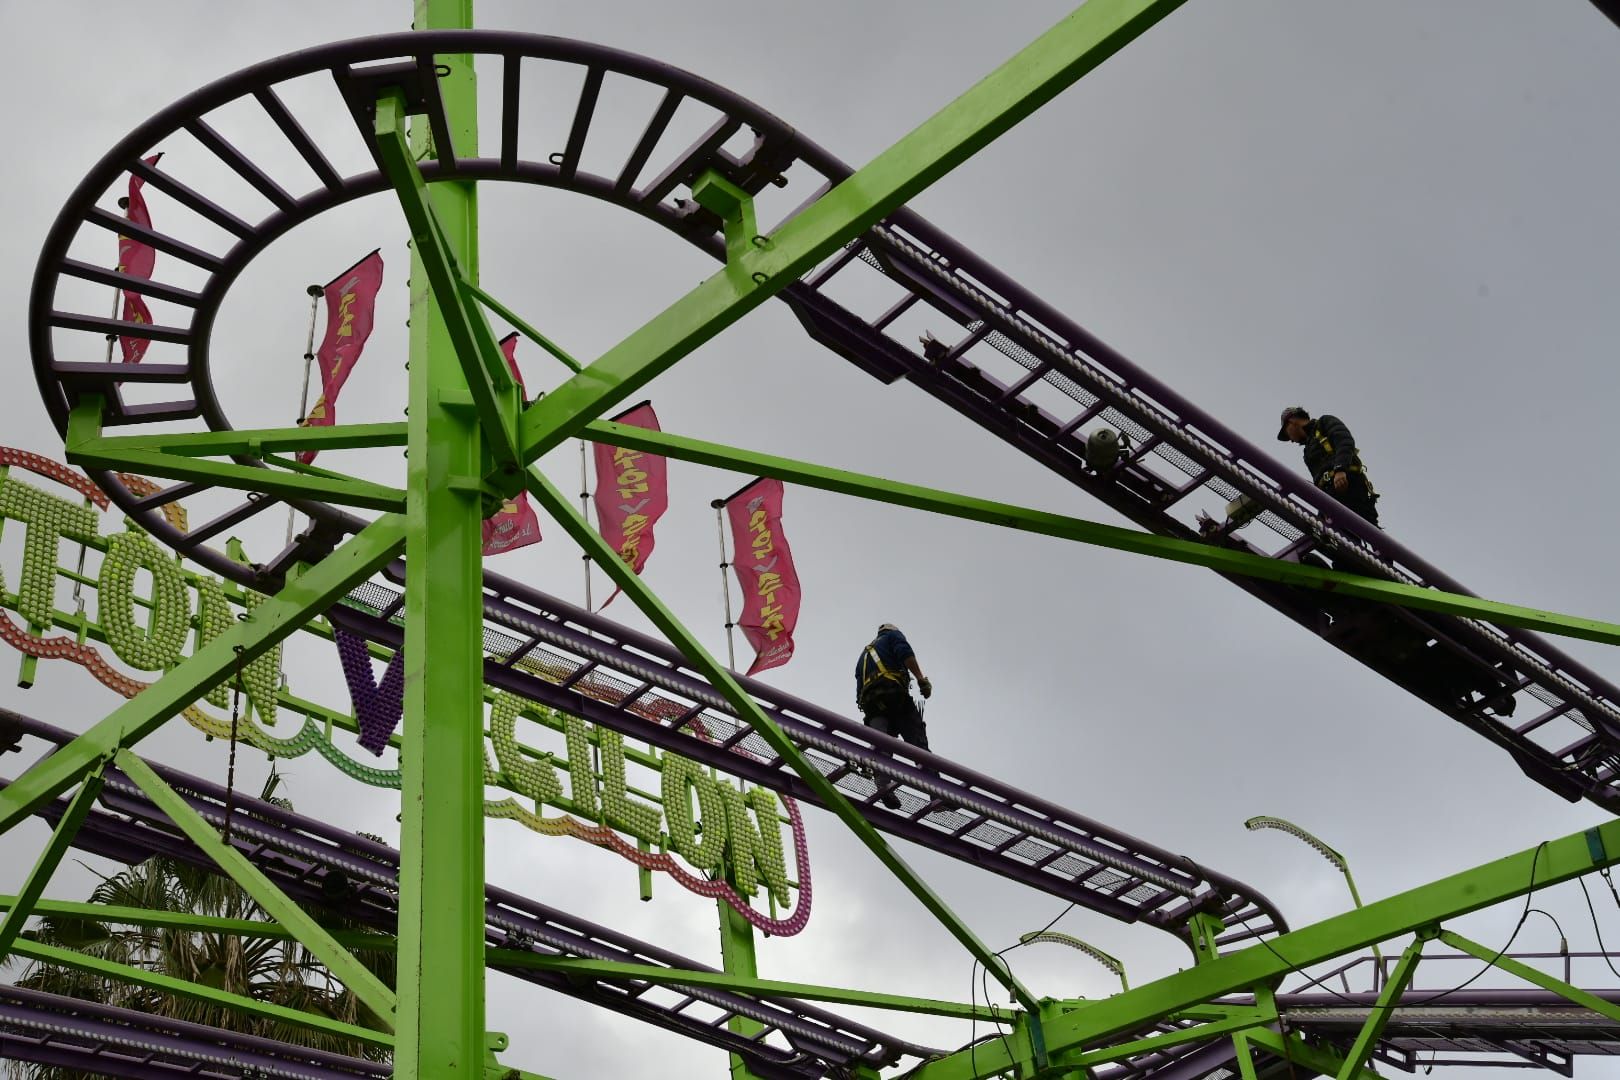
column 1538, row 1028
column 1004, row 359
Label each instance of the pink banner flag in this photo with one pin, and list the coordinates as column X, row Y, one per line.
column 351, row 307
column 763, row 563
column 514, row 525
column 632, row 493
column 136, row 259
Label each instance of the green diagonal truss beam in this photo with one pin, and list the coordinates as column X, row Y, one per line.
column 360, row 980
column 1549, row 863
column 1297, row 1051
column 1529, row 974
column 514, row 960
column 493, row 390
column 168, row 984
column 1031, row 78
column 255, row 442
column 26, row 902
column 749, row 710
column 85, row 449
column 119, row 915
column 1378, row 1017
column 990, row 512
column 522, row 326
column 1238, row 1020
column 720, row 980
column 300, row 600
column 1245, row 1057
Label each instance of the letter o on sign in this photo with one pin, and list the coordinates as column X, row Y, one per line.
column 156, row 646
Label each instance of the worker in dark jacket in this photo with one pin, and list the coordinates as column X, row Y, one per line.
column 1331, row 459
column 883, row 690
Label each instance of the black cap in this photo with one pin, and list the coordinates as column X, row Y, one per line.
column 1291, row 413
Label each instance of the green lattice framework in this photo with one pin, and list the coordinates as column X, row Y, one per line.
column 471, row 443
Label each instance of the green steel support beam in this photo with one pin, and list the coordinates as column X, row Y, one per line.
column 1531, row 975
column 255, row 442
column 345, row 491
column 522, row 327
column 1202, row 930
column 361, row 494
column 86, row 449
column 749, row 711
column 27, row 901
column 1549, row 863
column 1209, row 1012
column 302, row 599
column 1245, row 1056
column 1220, row 559
column 438, row 253
column 119, row 915
column 735, row 208
column 737, row 957
column 1383, row 1008
column 441, row 910
column 360, row 980
column 107, row 969
column 1031, row 78
column 1297, row 1051
column 293, row 465
column 720, row 980
column 1241, row 1021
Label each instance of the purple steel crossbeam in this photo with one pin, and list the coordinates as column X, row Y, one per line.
column 317, row 862
column 586, row 665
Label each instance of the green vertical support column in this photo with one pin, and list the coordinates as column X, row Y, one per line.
column 1202, row 930
column 737, row 958
column 441, row 923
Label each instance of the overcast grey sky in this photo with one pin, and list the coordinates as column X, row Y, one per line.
column 1399, row 211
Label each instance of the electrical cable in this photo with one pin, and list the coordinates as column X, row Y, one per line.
column 1288, row 1055
column 1595, row 928
column 1524, row 916
column 984, row 983
column 973, row 1019
column 976, row 979
column 1563, row 938
column 965, row 1046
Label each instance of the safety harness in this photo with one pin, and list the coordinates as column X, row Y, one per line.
column 1327, row 474
column 879, row 672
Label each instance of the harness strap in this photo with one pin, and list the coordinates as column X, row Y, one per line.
column 883, row 671
column 1327, row 474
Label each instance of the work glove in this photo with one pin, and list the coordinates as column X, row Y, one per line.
column 925, row 686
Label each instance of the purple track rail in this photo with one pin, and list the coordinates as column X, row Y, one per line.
column 579, row 662
column 88, row 1037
